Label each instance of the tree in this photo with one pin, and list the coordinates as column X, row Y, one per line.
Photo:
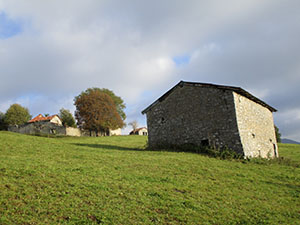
column 120, row 105
column 278, row 135
column 2, row 123
column 16, row 115
column 67, row 118
column 96, row 111
column 133, row 124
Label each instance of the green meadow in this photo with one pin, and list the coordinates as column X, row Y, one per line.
column 114, row 180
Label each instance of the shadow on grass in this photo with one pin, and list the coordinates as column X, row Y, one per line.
column 187, row 149
column 204, row 152
column 110, row 147
column 51, row 135
column 295, row 187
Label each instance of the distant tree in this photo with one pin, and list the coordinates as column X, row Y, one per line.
column 278, row 135
column 96, row 111
column 2, row 123
column 16, row 115
column 120, row 105
column 134, row 124
column 67, row 118
column 46, row 114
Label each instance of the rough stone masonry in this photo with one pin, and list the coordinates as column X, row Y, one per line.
column 214, row 115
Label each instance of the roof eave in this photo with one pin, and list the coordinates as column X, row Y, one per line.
column 235, row 89
column 161, row 98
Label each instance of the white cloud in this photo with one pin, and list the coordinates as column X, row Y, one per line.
column 66, row 47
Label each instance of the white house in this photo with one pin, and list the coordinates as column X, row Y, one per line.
column 139, row 131
column 52, row 119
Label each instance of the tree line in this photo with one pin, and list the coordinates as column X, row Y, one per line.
column 97, row 110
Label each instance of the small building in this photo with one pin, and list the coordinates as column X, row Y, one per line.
column 115, row 132
column 139, row 131
column 52, row 119
column 45, row 125
column 212, row 115
column 110, row 132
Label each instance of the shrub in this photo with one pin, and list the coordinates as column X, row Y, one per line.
column 16, row 115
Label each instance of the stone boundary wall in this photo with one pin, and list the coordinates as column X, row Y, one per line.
column 44, row 127
column 38, row 128
column 71, row 131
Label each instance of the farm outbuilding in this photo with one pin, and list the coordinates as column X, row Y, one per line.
column 139, row 131
column 214, row 115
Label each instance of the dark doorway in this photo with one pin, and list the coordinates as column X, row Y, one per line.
column 275, row 150
column 205, row 143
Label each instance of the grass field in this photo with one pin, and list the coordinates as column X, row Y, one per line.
column 113, row 180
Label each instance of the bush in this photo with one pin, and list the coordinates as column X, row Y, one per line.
column 16, row 115
column 3, row 125
column 67, row 118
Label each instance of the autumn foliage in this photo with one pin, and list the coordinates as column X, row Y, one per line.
column 96, row 111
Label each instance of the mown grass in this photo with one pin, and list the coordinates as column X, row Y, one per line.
column 113, row 180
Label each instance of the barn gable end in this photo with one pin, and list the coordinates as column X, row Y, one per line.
column 256, row 128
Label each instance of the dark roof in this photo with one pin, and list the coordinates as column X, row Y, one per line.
column 223, row 87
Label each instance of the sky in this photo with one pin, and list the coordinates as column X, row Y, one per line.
column 51, row 51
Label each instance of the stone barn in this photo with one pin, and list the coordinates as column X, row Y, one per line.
column 212, row 115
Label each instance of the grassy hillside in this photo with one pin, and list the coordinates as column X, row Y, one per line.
column 113, row 180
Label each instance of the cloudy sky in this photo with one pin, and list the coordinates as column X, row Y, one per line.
column 52, row 50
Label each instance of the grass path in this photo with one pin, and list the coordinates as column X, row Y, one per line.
column 113, row 180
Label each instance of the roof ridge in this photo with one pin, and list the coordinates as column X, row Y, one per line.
column 40, row 117
column 238, row 90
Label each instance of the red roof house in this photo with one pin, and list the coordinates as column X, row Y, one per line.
column 52, row 119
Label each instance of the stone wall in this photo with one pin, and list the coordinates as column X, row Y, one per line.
column 39, row 128
column 71, row 131
column 45, row 127
column 256, row 128
column 194, row 115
